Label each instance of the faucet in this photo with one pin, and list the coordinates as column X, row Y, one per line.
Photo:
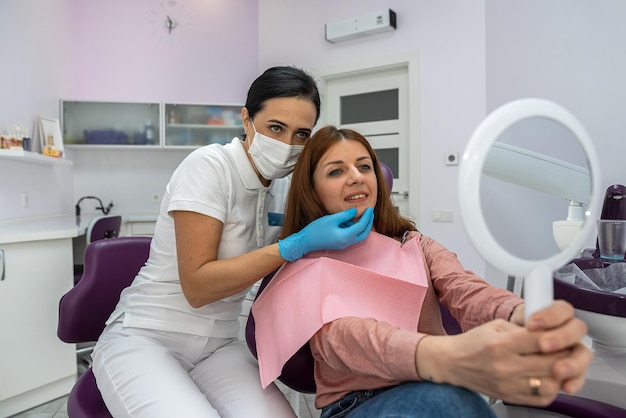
column 101, row 207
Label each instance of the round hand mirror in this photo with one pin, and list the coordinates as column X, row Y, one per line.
column 528, row 164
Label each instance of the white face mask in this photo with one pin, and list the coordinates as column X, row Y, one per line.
column 273, row 159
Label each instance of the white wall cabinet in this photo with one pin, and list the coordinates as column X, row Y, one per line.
column 35, row 366
column 197, row 125
column 110, row 124
column 155, row 125
column 141, row 228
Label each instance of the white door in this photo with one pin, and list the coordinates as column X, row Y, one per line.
column 375, row 102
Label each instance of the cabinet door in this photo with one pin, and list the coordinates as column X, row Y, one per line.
column 189, row 125
column 36, row 275
column 140, row 228
column 107, row 124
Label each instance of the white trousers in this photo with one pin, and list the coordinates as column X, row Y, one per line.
column 153, row 374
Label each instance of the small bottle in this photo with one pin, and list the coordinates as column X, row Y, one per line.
column 149, row 132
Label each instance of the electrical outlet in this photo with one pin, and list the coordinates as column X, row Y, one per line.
column 25, row 200
column 443, row 215
column 155, row 197
column 452, row 158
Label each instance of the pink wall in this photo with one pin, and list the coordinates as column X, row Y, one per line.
column 114, row 50
column 122, row 51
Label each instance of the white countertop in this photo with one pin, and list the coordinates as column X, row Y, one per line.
column 56, row 227
column 45, row 228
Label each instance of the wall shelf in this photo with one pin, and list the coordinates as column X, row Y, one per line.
column 32, row 158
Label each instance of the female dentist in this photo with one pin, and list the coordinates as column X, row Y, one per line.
column 171, row 346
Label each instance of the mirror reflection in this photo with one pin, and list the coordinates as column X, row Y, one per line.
column 536, row 173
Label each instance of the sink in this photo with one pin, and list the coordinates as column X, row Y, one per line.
column 604, row 312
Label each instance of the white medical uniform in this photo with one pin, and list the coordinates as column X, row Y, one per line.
column 160, row 357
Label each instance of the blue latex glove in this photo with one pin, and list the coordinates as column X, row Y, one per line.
column 330, row 232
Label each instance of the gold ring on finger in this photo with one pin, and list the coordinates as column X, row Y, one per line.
column 534, row 383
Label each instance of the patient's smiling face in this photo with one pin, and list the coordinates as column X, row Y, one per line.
column 344, row 178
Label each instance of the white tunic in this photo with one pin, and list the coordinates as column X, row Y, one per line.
column 217, row 181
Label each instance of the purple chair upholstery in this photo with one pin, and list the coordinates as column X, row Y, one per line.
column 297, row 373
column 103, row 227
column 577, row 407
column 110, row 266
column 388, row 175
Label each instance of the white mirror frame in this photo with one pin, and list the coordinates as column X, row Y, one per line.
column 537, row 274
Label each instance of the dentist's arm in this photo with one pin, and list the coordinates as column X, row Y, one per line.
column 205, row 279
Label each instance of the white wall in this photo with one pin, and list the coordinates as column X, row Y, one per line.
column 448, row 36
column 570, row 52
column 33, row 41
column 474, row 56
column 126, row 178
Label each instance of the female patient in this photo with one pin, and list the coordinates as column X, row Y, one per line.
column 364, row 367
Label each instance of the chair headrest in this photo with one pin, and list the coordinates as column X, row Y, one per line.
column 110, row 266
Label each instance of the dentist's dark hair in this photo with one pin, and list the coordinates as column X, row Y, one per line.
column 283, row 81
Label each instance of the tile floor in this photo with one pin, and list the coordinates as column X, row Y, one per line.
column 53, row 409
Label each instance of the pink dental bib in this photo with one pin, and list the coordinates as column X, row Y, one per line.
column 376, row 278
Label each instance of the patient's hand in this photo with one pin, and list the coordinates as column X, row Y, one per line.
column 562, row 331
column 499, row 358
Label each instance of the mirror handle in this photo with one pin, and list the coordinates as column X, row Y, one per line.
column 538, row 290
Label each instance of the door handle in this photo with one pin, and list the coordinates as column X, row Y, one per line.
column 404, row 195
column 1, row 264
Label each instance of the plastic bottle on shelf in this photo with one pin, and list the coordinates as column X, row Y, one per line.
column 149, row 132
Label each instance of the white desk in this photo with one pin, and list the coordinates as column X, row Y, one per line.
column 36, row 269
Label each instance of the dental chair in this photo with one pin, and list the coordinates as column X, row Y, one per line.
column 298, row 374
column 102, row 227
column 110, row 266
column 298, row 371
